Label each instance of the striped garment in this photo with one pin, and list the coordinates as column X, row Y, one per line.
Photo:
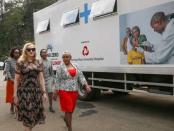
column 10, row 66
column 48, row 75
column 64, row 81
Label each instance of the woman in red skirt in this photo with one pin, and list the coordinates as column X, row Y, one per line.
column 10, row 65
column 68, row 78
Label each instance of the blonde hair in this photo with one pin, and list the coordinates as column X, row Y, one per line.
column 23, row 57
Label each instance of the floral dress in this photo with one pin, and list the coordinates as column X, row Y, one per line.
column 29, row 93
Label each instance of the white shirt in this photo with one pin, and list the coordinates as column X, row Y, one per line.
column 129, row 46
column 164, row 53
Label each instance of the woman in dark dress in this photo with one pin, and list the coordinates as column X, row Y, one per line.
column 29, row 88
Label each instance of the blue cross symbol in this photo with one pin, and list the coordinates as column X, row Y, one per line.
column 85, row 13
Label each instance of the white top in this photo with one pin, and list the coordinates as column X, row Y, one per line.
column 164, row 53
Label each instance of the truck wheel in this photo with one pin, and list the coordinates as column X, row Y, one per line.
column 95, row 93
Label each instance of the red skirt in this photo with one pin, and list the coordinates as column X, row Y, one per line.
column 9, row 91
column 68, row 100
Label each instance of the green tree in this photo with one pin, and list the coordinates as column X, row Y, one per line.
column 30, row 7
column 10, row 35
column 16, row 27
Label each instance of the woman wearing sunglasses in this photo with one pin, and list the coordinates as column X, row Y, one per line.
column 68, row 78
column 29, row 88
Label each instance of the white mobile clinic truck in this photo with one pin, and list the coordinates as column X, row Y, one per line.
column 93, row 30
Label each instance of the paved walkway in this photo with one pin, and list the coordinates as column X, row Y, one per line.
column 8, row 122
column 54, row 122
column 135, row 112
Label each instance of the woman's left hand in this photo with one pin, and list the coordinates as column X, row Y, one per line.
column 45, row 98
column 88, row 88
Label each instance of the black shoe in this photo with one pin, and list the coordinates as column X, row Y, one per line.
column 52, row 110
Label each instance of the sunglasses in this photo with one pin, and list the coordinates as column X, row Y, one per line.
column 31, row 49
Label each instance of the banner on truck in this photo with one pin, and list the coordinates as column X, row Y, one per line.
column 147, row 36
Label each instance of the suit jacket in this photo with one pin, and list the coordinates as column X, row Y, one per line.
column 64, row 81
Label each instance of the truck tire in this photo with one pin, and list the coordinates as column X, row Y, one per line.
column 95, row 93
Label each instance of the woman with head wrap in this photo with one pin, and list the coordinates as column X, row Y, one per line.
column 68, row 79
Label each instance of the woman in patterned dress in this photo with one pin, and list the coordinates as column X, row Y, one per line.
column 29, row 88
column 68, row 78
column 48, row 76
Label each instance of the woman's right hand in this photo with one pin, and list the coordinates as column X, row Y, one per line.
column 55, row 95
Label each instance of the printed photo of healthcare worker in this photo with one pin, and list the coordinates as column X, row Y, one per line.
column 147, row 36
